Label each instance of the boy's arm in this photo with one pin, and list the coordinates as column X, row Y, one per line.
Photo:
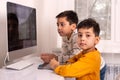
column 83, row 66
column 76, row 69
column 54, row 63
column 46, row 57
column 73, row 59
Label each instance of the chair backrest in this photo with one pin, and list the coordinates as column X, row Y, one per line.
column 102, row 73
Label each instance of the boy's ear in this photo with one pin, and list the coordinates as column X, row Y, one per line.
column 97, row 40
column 73, row 26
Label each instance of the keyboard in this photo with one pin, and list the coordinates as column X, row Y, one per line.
column 20, row 65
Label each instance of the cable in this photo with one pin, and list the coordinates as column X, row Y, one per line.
column 6, row 59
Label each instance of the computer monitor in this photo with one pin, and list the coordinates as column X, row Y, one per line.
column 21, row 30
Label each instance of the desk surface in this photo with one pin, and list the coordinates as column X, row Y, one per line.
column 30, row 73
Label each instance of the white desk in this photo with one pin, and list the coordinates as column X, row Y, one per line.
column 30, row 73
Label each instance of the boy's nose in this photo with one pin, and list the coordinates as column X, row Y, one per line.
column 59, row 27
column 83, row 38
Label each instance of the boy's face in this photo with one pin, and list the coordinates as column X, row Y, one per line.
column 87, row 39
column 64, row 27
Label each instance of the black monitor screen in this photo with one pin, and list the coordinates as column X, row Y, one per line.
column 21, row 26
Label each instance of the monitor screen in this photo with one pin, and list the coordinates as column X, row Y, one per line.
column 21, row 27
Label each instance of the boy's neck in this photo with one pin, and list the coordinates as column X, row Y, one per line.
column 88, row 50
column 69, row 36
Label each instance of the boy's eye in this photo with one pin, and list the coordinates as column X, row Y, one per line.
column 62, row 24
column 87, row 35
column 79, row 35
column 57, row 24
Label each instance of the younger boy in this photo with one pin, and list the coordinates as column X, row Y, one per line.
column 86, row 64
column 66, row 22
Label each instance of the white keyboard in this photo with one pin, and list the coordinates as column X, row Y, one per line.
column 20, row 65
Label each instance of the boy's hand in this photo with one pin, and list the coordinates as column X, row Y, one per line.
column 54, row 63
column 46, row 57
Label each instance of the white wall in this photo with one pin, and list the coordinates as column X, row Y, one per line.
column 2, row 35
column 47, row 27
column 46, row 23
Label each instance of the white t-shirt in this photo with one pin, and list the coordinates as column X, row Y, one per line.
column 70, row 47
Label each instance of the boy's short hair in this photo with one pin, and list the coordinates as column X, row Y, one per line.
column 89, row 23
column 70, row 15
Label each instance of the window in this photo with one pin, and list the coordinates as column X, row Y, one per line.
column 100, row 10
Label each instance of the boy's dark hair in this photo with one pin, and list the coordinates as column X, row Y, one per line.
column 89, row 23
column 70, row 15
